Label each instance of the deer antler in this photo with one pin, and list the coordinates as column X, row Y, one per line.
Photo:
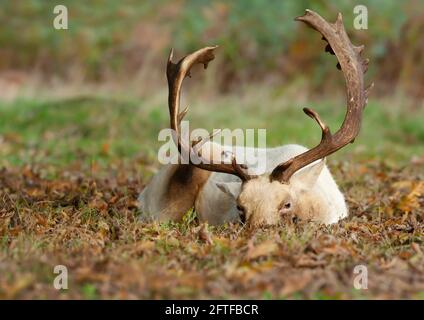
column 176, row 72
column 353, row 67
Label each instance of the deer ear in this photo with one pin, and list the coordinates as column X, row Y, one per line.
column 230, row 188
column 308, row 176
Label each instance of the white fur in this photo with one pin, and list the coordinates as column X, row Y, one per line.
column 216, row 207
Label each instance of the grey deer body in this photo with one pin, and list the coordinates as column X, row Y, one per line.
column 296, row 180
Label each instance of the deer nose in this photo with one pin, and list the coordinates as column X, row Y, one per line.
column 242, row 217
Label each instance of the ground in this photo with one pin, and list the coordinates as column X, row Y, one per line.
column 72, row 170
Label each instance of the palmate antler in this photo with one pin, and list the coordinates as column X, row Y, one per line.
column 353, row 67
column 176, row 72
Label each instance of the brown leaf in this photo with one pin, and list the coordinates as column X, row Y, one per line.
column 416, row 247
column 265, row 248
column 204, row 234
column 105, row 148
column 305, row 261
column 144, row 247
column 411, row 201
column 295, row 283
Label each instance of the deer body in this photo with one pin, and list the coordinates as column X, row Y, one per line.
column 166, row 197
column 289, row 180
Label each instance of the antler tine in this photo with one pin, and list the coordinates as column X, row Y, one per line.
column 326, row 134
column 238, row 168
column 353, row 67
column 176, row 72
column 197, row 145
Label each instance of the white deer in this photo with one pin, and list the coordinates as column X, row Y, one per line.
column 296, row 180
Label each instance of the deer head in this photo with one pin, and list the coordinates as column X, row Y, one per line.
column 289, row 188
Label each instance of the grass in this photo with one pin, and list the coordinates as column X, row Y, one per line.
column 104, row 129
column 72, row 170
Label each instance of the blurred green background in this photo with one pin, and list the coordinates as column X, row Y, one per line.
column 118, row 40
column 98, row 90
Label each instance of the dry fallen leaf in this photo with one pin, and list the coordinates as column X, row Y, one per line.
column 265, row 248
column 204, row 234
column 295, row 283
column 411, row 201
column 20, row 284
column 416, row 247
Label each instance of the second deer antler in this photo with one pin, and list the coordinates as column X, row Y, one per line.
column 353, row 67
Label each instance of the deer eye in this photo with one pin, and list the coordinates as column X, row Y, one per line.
column 285, row 206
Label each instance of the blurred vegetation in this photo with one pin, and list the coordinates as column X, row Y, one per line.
column 100, row 131
column 119, row 40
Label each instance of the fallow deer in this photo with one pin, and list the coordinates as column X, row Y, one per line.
column 296, row 181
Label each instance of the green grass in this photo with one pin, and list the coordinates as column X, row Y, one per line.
column 101, row 130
